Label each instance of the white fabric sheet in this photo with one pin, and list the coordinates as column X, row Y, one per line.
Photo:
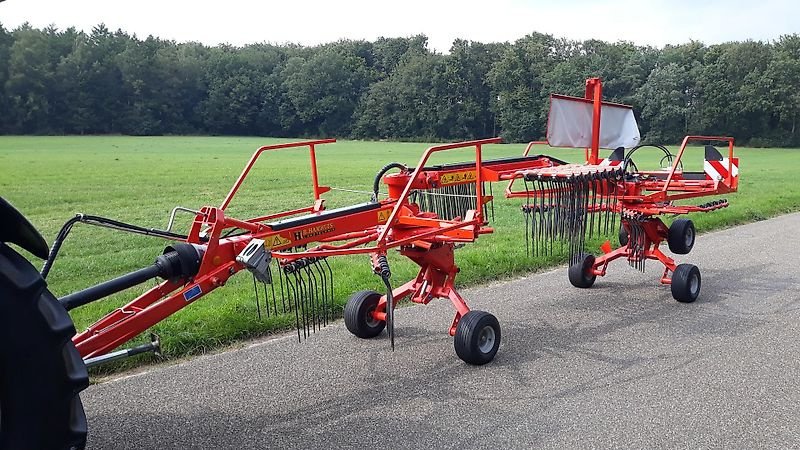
column 570, row 125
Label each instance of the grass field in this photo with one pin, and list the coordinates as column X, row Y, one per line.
column 139, row 180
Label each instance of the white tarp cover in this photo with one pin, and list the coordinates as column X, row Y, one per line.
column 570, row 124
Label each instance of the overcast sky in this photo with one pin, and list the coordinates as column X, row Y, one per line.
column 239, row 22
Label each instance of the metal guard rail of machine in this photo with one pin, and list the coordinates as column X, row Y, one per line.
column 439, row 229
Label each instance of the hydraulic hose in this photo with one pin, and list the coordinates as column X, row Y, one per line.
column 377, row 183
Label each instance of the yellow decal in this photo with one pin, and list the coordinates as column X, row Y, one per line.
column 383, row 215
column 457, row 177
column 275, row 241
column 313, row 231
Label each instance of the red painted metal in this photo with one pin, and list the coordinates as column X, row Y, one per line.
column 594, row 91
column 310, row 144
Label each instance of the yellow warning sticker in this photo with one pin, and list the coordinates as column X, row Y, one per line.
column 276, row 241
column 383, row 215
column 457, row 177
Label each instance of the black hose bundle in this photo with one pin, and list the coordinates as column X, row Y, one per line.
column 377, row 183
column 385, row 274
column 629, row 162
column 101, row 222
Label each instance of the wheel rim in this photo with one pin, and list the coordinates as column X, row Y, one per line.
column 370, row 320
column 486, row 339
column 689, row 237
column 694, row 285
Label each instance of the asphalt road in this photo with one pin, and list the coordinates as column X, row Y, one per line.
column 618, row 365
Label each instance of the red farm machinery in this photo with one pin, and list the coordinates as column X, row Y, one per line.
column 427, row 212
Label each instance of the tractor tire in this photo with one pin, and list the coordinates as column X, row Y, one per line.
column 477, row 337
column 686, row 283
column 681, row 236
column 358, row 314
column 579, row 272
column 41, row 372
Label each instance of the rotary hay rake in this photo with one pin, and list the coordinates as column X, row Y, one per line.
column 562, row 201
column 429, row 210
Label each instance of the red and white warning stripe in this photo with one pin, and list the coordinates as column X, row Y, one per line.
column 718, row 170
column 608, row 162
column 615, row 158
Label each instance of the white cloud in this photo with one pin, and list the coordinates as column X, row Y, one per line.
column 238, row 22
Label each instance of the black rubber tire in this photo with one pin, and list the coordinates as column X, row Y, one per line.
column 686, row 283
column 41, row 372
column 356, row 314
column 681, row 236
column 579, row 272
column 623, row 236
column 477, row 337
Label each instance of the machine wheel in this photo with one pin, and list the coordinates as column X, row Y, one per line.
column 579, row 272
column 477, row 337
column 681, row 236
column 623, row 236
column 41, row 372
column 686, row 283
column 358, row 314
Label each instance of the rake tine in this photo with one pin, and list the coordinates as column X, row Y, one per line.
column 311, row 292
column 309, row 281
column 292, row 292
column 328, row 289
column 284, row 289
column 547, row 215
column 321, row 290
column 526, row 214
column 318, row 292
column 611, row 186
column 589, row 211
column 302, row 299
column 315, row 294
column 266, row 298
column 308, row 299
column 587, row 189
column 272, row 288
column 563, row 212
column 322, row 293
column 604, row 191
column 580, row 215
column 533, row 213
column 569, row 215
column 330, row 272
column 297, row 296
column 536, row 216
column 255, row 290
column 576, row 216
column 594, row 205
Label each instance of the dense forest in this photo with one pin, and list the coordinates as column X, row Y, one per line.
column 70, row 82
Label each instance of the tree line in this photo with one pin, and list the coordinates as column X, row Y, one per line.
column 69, row 82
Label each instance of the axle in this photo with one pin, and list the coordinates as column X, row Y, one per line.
column 179, row 261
